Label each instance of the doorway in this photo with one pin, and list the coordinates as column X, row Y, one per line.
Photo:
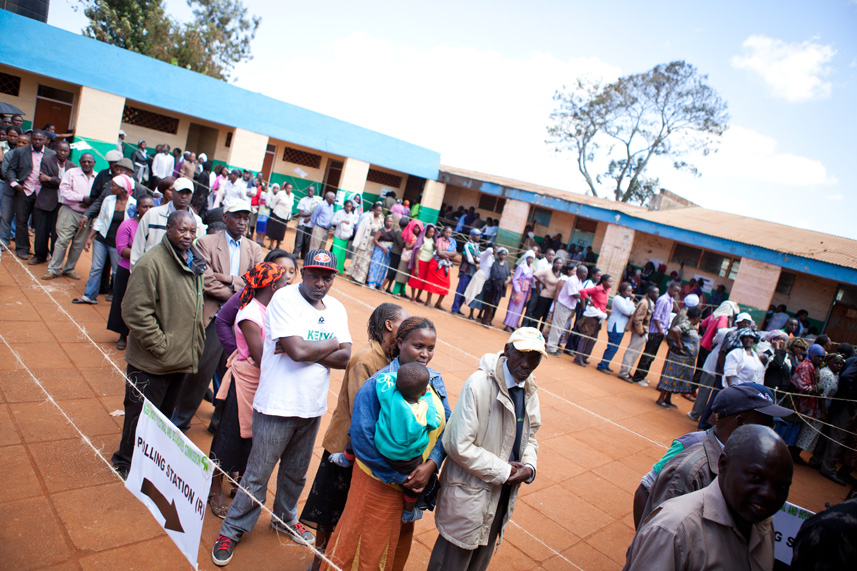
column 53, row 106
column 268, row 163
column 332, row 175
column 201, row 139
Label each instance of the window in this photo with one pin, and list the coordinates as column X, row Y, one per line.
column 10, row 84
column 384, row 178
column 150, row 120
column 228, row 142
column 785, row 283
column 714, row 263
column 733, row 271
column 491, row 203
column 687, row 255
column 56, row 94
column 302, row 158
column 542, row 217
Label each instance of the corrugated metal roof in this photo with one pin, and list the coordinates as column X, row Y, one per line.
column 770, row 235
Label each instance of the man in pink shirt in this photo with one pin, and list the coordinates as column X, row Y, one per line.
column 74, row 191
column 21, row 169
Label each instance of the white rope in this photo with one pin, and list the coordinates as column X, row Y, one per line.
column 296, row 538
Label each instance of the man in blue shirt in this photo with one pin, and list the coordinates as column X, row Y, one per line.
column 320, row 221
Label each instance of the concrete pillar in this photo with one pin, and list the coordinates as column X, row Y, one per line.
column 615, row 249
column 512, row 222
column 754, row 287
column 247, row 150
column 431, row 201
column 98, row 118
column 353, row 177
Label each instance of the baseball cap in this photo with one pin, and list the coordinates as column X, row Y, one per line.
column 528, row 339
column 321, row 260
column 125, row 163
column 744, row 316
column 183, row 183
column 237, row 206
column 747, row 396
column 476, row 232
column 113, row 156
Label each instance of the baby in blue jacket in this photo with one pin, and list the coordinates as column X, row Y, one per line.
column 407, row 416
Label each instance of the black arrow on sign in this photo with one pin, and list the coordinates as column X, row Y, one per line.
column 168, row 510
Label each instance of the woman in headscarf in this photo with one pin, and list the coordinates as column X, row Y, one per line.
column 828, row 383
column 410, row 234
column 683, row 342
column 423, row 252
column 474, row 291
column 720, row 318
column 383, row 242
column 140, row 158
column 805, row 382
column 440, row 266
column 743, row 364
column 364, row 243
column 114, row 211
column 495, row 287
column 521, row 284
column 124, row 240
column 781, row 364
column 233, row 438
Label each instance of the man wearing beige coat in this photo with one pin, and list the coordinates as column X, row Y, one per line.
column 490, row 442
column 229, row 256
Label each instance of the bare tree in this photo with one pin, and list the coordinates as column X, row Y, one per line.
column 669, row 110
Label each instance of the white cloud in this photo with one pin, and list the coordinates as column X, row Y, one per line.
column 835, row 197
column 793, row 71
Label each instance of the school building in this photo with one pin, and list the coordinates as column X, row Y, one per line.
column 97, row 89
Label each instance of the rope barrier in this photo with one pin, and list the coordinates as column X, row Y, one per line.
column 128, row 381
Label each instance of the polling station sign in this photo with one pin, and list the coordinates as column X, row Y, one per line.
column 787, row 523
column 171, row 476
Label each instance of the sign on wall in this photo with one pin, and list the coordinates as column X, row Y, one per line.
column 172, row 477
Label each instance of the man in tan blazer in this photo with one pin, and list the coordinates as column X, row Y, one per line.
column 229, row 255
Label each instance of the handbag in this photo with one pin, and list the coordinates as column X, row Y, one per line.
column 406, row 255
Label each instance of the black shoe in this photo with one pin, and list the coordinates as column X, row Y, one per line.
column 208, row 396
column 834, row 478
column 221, row 553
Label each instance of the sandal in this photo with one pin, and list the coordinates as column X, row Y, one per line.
column 219, row 510
column 121, row 344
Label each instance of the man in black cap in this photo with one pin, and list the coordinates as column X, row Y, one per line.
column 697, row 466
column 306, row 335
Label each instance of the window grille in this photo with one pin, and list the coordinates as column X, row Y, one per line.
column 10, row 84
column 150, row 120
column 303, row 158
column 384, row 178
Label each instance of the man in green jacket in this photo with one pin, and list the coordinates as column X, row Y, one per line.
column 162, row 308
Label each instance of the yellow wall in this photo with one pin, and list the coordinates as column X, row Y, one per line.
column 98, row 114
column 26, row 99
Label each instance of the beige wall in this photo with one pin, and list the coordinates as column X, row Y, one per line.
column 615, row 247
column 382, row 189
column 247, row 150
column 26, row 98
column 288, row 169
column 515, row 216
column 810, row 293
column 98, row 114
column 598, row 240
column 353, row 177
column 433, row 194
column 754, row 285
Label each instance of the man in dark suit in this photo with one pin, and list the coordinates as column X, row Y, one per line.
column 47, row 202
column 21, row 172
column 228, row 256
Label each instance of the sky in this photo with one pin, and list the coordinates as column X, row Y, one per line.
column 474, row 80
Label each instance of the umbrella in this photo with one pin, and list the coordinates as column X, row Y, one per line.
column 8, row 109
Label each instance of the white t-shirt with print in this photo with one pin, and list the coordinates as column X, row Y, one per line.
column 286, row 387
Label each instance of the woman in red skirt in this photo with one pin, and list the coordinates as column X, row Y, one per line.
column 440, row 266
column 422, row 255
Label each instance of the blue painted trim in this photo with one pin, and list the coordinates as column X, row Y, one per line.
column 84, row 61
column 786, row 261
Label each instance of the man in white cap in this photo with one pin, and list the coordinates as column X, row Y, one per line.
column 153, row 225
column 490, row 440
column 228, row 256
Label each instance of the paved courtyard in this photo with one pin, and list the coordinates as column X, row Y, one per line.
column 64, row 509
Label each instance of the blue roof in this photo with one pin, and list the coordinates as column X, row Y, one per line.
column 83, row 61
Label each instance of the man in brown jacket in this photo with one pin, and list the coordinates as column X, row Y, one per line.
column 229, row 256
column 638, row 325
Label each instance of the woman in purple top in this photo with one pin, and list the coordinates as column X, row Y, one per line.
column 124, row 239
column 521, row 283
